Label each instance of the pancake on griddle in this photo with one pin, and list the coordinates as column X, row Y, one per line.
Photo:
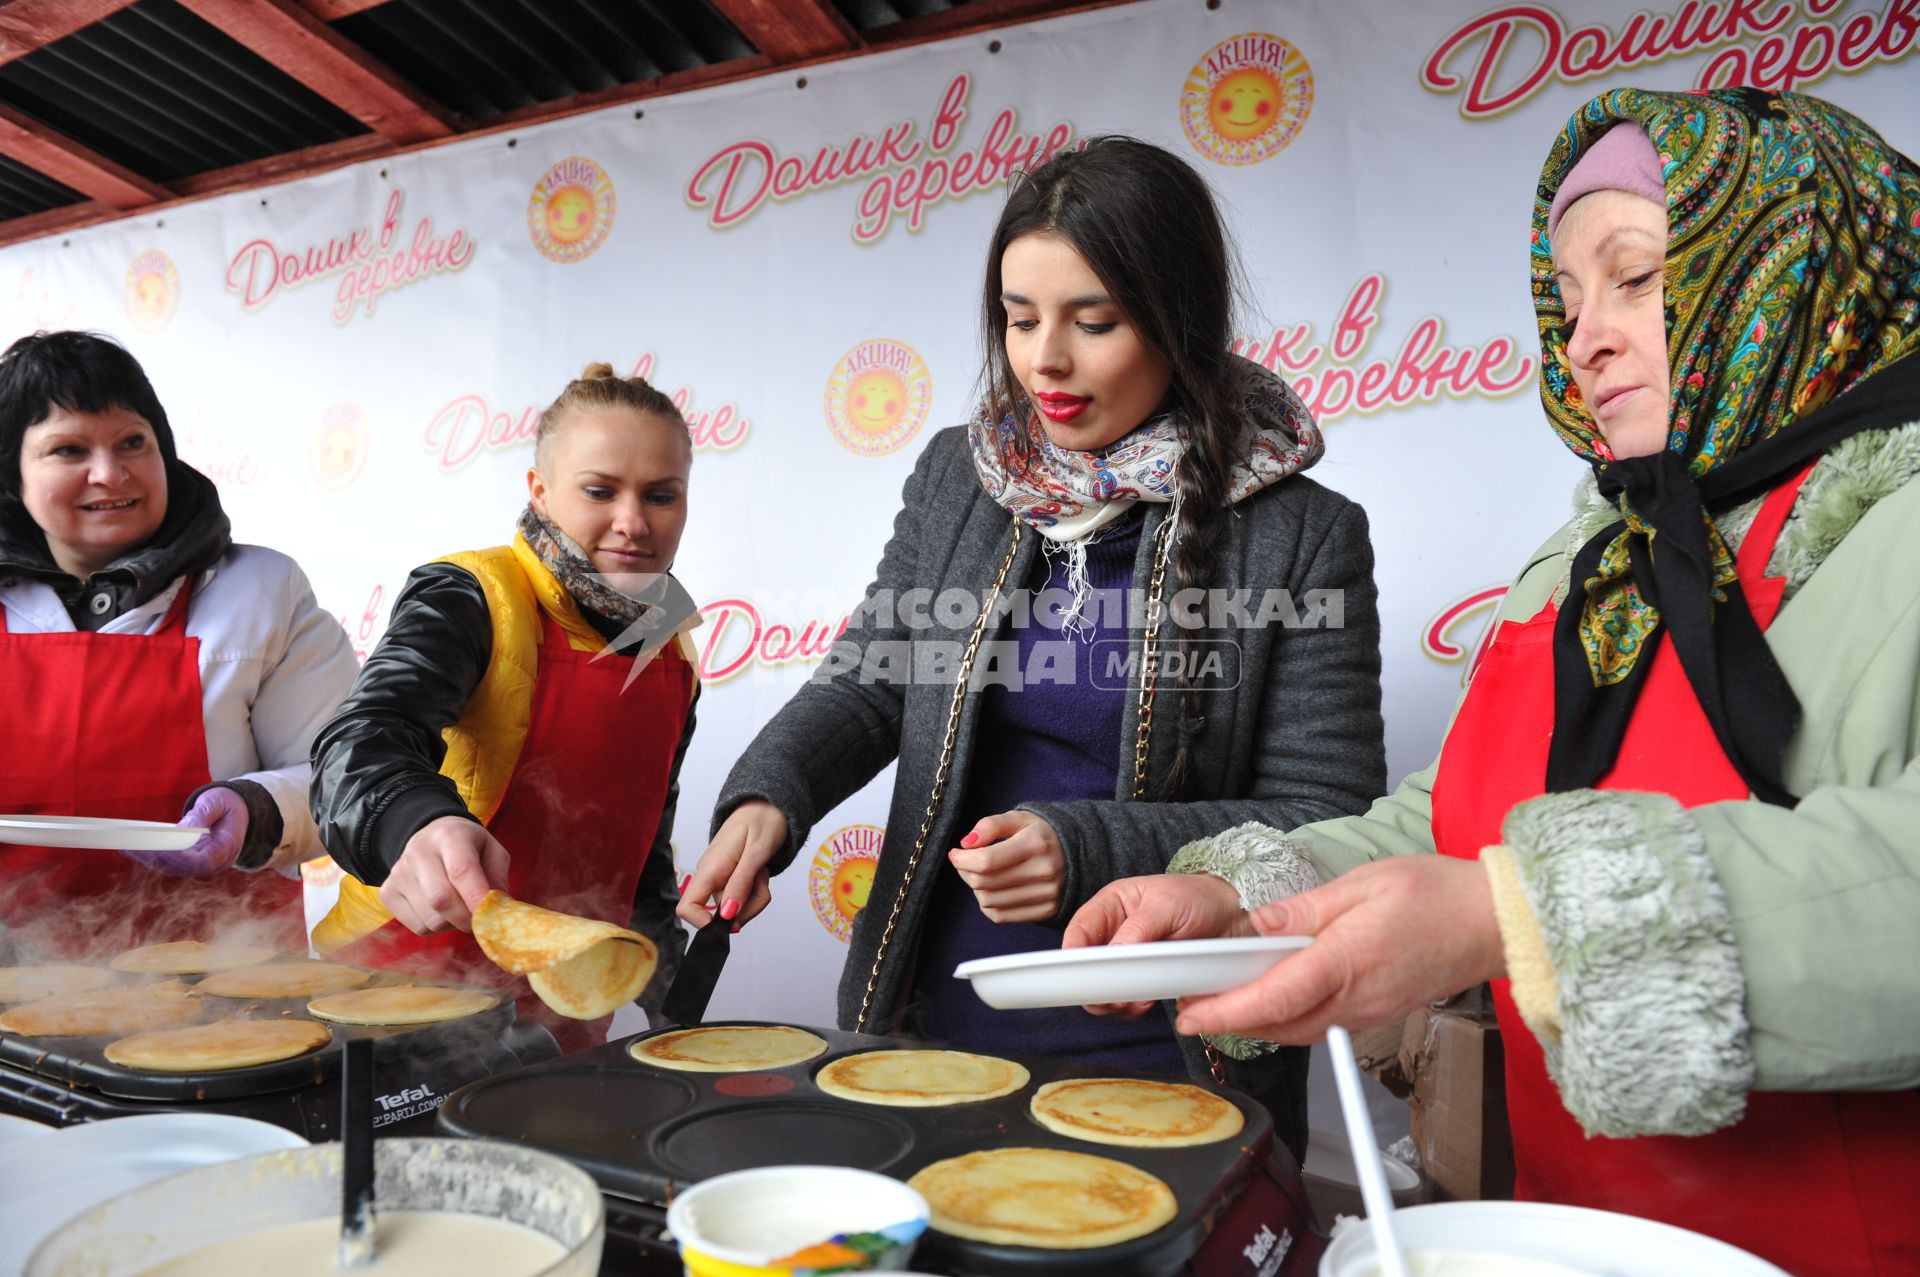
column 401, row 1004
column 284, row 980
column 30, row 984
column 224, row 1044
column 104, row 1012
column 920, row 1079
column 1045, row 1197
column 729, row 1048
column 582, row 968
column 190, row 957
column 1136, row 1112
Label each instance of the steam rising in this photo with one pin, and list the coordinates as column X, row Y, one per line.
column 48, row 924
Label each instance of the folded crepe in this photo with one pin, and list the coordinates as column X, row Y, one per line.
column 580, row 967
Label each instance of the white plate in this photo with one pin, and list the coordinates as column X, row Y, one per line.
column 1588, row 1241
column 14, row 1129
column 1124, row 972
column 96, row 834
column 47, row 1180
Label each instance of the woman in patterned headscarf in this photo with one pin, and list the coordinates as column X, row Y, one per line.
column 1676, row 810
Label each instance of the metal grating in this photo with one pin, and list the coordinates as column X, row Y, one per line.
column 156, row 89
column 23, row 191
column 868, row 15
column 486, row 57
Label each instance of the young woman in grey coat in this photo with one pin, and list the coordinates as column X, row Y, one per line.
column 1113, row 617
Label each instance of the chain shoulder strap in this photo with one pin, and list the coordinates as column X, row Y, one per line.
column 946, row 766
column 1143, row 736
column 1150, row 656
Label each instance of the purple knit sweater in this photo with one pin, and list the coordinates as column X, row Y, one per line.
column 1056, row 740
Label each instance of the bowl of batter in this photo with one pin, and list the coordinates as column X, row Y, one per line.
column 474, row 1207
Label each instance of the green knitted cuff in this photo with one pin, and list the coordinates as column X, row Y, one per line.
column 1258, row 861
column 1236, row 1047
column 1652, row 1000
column 1262, row 865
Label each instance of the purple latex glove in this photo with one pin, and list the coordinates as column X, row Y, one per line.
column 223, row 813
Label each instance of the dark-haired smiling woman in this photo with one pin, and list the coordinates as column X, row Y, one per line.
column 149, row 667
column 1122, row 455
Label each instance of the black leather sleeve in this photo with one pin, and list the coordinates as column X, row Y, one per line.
column 376, row 765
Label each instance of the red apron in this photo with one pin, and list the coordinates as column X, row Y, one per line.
column 113, row 725
column 578, row 815
column 1818, row 1183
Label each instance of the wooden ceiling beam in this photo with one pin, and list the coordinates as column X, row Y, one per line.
column 334, row 10
column 791, row 30
column 285, row 166
column 252, row 175
column 68, row 217
column 28, row 25
column 970, row 19
column 986, row 15
column 310, row 51
column 27, row 141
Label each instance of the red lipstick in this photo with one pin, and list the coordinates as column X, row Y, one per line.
column 1062, row 407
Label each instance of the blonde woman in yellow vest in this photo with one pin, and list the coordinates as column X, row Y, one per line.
column 522, row 723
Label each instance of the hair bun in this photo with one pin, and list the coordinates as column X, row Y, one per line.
column 598, row 372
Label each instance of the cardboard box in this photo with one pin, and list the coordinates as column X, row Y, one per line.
column 1459, row 1102
column 1377, row 1051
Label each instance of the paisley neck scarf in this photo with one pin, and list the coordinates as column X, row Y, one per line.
column 1065, row 495
column 1792, row 277
column 563, row 557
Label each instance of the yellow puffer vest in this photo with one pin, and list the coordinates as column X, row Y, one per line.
column 484, row 746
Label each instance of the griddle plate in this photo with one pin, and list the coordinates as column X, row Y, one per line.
column 601, row 1114
column 778, row 1133
column 634, row 1131
column 81, row 1062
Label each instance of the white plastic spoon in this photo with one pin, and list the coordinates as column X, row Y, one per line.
column 1374, row 1192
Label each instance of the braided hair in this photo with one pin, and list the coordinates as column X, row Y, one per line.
column 1145, row 223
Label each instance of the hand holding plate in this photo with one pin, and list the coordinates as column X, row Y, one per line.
column 1156, row 907
column 1390, row 936
column 222, row 812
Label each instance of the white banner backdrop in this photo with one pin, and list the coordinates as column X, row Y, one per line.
column 359, row 359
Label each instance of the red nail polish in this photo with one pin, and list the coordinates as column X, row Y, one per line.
column 729, row 909
column 969, row 840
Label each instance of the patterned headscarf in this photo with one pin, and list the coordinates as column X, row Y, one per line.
column 1792, row 275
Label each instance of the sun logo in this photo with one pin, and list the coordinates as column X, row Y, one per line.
column 570, row 212
column 1247, row 99
column 878, row 397
column 842, row 876
column 152, row 291
column 338, row 445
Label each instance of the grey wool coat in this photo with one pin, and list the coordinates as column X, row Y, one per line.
column 1298, row 739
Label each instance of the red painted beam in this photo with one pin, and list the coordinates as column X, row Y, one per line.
column 27, row 25
column 45, row 150
column 791, row 30
column 334, row 10
column 340, row 71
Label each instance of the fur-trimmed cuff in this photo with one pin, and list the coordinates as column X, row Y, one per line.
column 1262, row 865
column 1651, row 1002
column 1529, row 970
column 1256, row 860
